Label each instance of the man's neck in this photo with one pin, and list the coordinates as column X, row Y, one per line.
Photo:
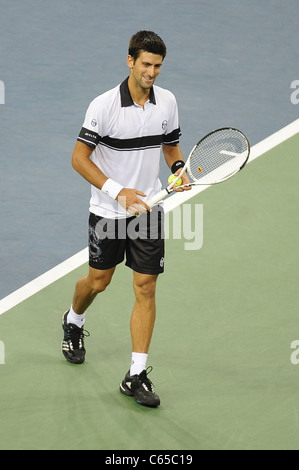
column 139, row 95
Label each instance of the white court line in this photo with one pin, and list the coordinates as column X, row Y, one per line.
column 42, row 281
column 171, row 203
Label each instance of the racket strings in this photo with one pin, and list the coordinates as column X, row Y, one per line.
column 218, row 155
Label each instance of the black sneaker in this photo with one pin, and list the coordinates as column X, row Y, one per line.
column 73, row 341
column 141, row 388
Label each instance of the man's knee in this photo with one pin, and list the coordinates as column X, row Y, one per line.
column 99, row 280
column 145, row 285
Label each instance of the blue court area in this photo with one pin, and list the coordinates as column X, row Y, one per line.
column 228, row 63
column 221, row 350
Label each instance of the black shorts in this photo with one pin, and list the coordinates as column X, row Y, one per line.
column 139, row 239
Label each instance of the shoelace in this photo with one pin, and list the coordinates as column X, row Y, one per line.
column 77, row 334
column 145, row 380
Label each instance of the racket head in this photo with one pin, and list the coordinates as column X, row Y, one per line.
column 218, row 156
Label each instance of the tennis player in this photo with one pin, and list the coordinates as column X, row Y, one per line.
column 118, row 153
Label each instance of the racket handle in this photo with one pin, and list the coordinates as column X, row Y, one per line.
column 157, row 197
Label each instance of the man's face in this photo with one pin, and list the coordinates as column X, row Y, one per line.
column 145, row 69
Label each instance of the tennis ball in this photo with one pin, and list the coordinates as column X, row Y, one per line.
column 172, row 178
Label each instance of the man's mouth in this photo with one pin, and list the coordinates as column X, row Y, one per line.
column 148, row 80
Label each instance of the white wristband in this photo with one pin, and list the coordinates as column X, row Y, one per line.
column 112, row 188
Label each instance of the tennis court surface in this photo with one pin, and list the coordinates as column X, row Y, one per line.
column 221, row 351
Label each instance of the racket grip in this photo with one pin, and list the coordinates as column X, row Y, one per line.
column 157, row 197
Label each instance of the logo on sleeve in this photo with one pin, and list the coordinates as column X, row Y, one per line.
column 93, row 123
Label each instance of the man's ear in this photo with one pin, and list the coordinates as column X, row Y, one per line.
column 130, row 61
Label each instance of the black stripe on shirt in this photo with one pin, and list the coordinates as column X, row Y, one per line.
column 137, row 143
column 172, row 138
column 141, row 143
column 92, row 139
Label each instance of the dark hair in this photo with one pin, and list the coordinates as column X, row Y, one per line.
column 146, row 41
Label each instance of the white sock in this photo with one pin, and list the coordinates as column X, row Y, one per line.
column 73, row 317
column 138, row 363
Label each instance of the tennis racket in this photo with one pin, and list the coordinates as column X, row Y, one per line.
column 215, row 158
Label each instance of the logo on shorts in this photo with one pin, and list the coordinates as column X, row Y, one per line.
column 162, row 262
column 164, row 125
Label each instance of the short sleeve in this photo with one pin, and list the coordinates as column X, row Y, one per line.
column 91, row 131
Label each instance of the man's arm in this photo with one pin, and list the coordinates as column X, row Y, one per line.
column 85, row 167
column 172, row 153
column 127, row 198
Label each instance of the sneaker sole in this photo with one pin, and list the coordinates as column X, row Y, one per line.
column 128, row 393
column 71, row 359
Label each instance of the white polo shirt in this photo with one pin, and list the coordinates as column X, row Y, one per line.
column 127, row 142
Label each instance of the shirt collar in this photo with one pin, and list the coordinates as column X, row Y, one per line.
column 126, row 98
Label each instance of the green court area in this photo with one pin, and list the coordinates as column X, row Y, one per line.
column 221, row 351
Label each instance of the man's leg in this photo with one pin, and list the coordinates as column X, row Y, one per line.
column 136, row 382
column 88, row 287
column 144, row 254
column 86, row 290
column 144, row 311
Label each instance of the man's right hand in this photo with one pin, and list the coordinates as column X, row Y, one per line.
column 129, row 200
